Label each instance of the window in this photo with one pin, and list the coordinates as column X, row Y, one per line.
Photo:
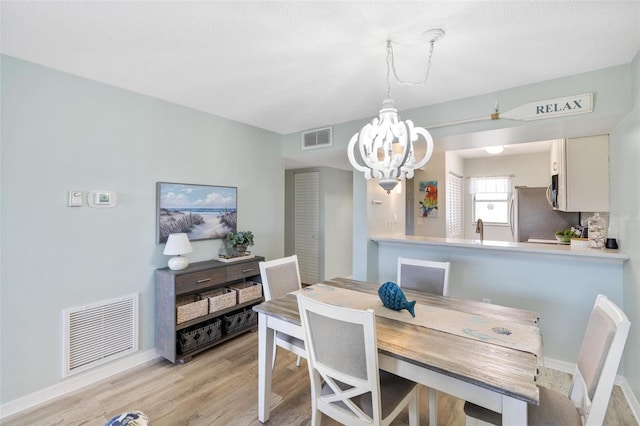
column 490, row 196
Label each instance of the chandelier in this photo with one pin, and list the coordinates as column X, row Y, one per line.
column 386, row 144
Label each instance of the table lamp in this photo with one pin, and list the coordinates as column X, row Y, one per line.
column 178, row 244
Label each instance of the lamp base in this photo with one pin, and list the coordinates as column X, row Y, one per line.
column 178, row 263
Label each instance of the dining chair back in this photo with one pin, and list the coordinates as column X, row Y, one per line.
column 428, row 277
column 346, row 383
column 593, row 377
column 423, row 275
column 280, row 277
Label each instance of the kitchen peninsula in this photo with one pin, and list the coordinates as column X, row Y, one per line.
column 557, row 281
column 590, row 255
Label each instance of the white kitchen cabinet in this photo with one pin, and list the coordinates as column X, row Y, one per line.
column 555, row 156
column 583, row 173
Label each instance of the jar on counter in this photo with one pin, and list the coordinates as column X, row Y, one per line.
column 597, row 231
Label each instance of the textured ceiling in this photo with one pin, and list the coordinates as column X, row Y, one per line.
column 291, row 66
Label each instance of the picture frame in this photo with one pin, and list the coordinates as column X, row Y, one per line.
column 203, row 212
column 429, row 204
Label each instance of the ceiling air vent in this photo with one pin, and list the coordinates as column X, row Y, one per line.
column 318, row 138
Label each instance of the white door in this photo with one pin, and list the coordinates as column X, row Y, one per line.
column 307, row 225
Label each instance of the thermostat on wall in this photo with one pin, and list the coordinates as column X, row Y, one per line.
column 102, row 198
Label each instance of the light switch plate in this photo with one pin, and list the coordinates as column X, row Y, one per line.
column 75, row 198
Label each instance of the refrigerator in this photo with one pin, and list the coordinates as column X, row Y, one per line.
column 533, row 218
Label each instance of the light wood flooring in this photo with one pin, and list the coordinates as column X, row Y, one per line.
column 219, row 387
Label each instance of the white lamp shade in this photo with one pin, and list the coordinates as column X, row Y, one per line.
column 177, row 244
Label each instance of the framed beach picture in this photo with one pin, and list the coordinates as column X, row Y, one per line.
column 203, row 212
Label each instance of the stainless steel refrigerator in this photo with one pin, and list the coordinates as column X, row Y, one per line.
column 533, row 218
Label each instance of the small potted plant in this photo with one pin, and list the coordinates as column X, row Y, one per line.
column 239, row 241
column 565, row 236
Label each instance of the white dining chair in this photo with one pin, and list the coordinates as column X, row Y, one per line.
column 428, row 277
column 423, row 275
column 280, row 277
column 593, row 377
column 346, row 383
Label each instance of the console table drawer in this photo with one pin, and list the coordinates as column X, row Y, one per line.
column 243, row 270
column 188, row 283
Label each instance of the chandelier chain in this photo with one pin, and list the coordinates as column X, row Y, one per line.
column 389, row 62
column 391, row 65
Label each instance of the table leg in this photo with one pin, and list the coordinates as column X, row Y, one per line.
column 433, row 407
column 265, row 361
column 514, row 411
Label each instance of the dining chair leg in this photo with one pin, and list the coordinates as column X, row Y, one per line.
column 414, row 410
column 298, row 361
column 275, row 351
column 433, row 408
column 316, row 418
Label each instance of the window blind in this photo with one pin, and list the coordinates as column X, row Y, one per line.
column 454, row 206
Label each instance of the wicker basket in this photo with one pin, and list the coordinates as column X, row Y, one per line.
column 240, row 321
column 189, row 340
column 219, row 299
column 247, row 291
column 190, row 307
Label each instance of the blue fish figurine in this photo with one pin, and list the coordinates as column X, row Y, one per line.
column 393, row 298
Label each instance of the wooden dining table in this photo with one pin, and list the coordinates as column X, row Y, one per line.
column 502, row 379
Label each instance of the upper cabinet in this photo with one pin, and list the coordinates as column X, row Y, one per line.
column 580, row 174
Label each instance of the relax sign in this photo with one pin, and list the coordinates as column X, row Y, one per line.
column 570, row 105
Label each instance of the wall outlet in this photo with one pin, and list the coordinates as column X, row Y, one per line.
column 75, row 199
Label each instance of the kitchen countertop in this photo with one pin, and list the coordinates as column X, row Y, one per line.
column 584, row 254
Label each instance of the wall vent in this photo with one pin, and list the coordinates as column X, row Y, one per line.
column 98, row 333
column 318, row 138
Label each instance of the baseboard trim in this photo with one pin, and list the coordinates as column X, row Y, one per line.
column 565, row 367
column 76, row 382
column 568, row 367
column 631, row 398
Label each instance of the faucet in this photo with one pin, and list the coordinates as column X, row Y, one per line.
column 480, row 229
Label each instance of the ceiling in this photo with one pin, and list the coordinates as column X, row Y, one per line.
column 291, row 66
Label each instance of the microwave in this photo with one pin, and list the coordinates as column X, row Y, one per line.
column 553, row 193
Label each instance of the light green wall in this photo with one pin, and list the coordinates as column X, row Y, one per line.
column 612, row 101
column 624, row 202
column 61, row 132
